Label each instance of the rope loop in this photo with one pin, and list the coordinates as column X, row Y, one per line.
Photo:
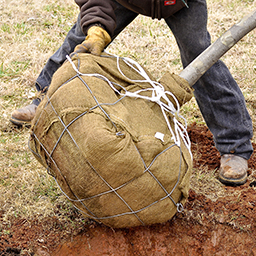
column 180, row 207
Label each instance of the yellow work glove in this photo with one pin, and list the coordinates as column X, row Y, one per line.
column 95, row 42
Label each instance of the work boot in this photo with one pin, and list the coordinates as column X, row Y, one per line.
column 23, row 116
column 233, row 170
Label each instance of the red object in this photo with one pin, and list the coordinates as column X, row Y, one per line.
column 170, row 2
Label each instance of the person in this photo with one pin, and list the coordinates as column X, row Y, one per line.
column 219, row 98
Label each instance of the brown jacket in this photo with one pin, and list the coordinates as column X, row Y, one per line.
column 102, row 11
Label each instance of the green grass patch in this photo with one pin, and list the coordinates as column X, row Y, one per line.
column 13, row 69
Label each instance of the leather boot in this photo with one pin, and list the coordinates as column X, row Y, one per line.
column 233, row 170
column 23, row 116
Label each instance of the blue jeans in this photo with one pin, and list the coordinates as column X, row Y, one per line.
column 219, row 98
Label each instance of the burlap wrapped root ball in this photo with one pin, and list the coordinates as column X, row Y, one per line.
column 102, row 148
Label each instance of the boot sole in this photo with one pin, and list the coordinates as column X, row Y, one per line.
column 20, row 122
column 233, row 182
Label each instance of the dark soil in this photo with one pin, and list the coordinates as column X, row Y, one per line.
column 226, row 226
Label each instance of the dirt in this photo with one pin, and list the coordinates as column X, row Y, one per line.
column 226, row 226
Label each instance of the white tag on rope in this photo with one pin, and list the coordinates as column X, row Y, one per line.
column 159, row 136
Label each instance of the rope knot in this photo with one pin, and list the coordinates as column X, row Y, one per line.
column 157, row 94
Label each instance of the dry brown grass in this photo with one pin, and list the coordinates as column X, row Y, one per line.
column 30, row 31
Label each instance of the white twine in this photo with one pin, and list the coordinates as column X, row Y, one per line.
column 158, row 93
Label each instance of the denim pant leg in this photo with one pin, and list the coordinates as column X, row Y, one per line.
column 218, row 96
column 74, row 37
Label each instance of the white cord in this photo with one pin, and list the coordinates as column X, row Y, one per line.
column 158, row 93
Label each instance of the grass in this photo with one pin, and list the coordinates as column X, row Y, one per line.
column 30, row 32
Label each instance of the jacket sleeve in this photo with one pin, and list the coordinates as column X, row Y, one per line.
column 97, row 12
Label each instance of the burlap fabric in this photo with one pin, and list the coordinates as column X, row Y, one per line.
column 101, row 146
